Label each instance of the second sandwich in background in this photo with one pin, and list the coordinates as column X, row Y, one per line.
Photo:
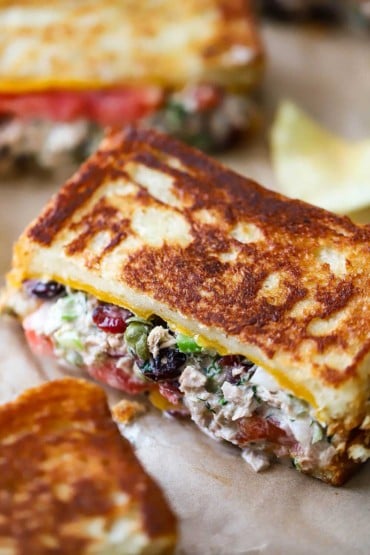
column 69, row 69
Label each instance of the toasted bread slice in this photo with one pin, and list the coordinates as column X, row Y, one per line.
column 157, row 227
column 70, row 484
column 126, row 42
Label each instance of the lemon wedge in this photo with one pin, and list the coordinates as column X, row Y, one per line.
column 315, row 165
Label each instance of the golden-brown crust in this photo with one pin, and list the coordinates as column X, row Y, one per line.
column 279, row 278
column 338, row 473
column 236, row 199
column 342, row 466
column 63, row 464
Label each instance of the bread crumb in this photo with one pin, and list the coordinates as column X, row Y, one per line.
column 125, row 411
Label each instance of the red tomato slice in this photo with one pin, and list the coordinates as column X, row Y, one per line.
column 120, row 106
column 105, row 372
column 109, row 374
column 106, row 106
column 39, row 344
column 256, row 428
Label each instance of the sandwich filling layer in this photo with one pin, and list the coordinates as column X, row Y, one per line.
column 229, row 397
column 55, row 127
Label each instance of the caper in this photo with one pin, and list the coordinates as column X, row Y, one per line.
column 133, row 333
column 136, row 336
column 141, row 348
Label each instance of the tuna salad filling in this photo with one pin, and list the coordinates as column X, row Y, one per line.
column 204, row 116
column 229, row 397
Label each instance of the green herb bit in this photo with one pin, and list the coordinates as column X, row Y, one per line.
column 176, row 114
column 203, row 141
column 213, row 369
column 146, row 367
column 244, row 380
column 257, row 398
column 208, row 407
column 187, row 344
column 74, row 358
column 223, row 401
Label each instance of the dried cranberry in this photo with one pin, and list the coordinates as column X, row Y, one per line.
column 45, row 289
column 235, row 360
column 110, row 318
column 230, row 360
column 167, row 365
column 170, row 391
column 182, row 414
column 207, row 97
column 231, row 378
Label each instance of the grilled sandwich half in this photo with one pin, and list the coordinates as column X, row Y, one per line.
column 157, row 269
column 68, row 68
column 70, row 484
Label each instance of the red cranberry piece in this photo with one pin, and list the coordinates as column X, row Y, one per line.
column 110, row 318
column 235, row 360
column 230, row 360
column 229, row 377
column 46, row 290
column 207, row 97
column 182, row 414
column 171, row 391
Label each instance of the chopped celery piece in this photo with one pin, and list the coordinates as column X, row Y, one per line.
column 187, row 344
column 70, row 307
column 317, row 432
column 68, row 340
column 73, row 358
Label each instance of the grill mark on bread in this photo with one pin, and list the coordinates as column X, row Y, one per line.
column 74, row 195
column 248, row 199
column 103, row 217
column 330, row 375
column 237, row 311
column 336, row 298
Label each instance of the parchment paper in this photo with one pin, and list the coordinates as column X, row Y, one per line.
column 224, row 507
